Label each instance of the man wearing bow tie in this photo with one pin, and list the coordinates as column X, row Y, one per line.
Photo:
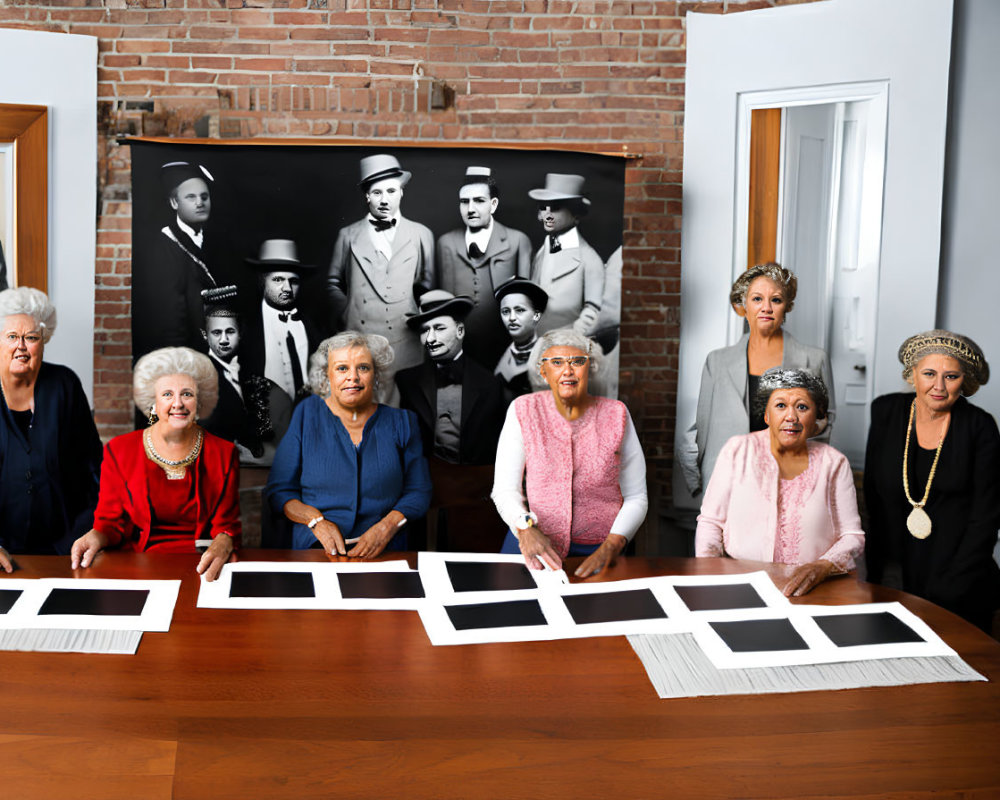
column 460, row 409
column 565, row 266
column 380, row 264
column 282, row 338
column 478, row 258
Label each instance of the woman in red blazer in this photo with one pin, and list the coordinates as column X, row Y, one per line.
column 164, row 487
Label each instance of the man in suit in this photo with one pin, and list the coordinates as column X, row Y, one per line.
column 185, row 258
column 231, row 418
column 460, row 409
column 478, row 258
column 280, row 339
column 565, row 266
column 380, row 264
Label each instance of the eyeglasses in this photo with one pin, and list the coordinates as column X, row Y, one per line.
column 15, row 339
column 577, row 362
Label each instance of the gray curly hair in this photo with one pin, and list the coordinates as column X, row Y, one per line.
column 785, row 278
column 562, row 337
column 175, row 361
column 33, row 302
column 319, row 362
column 778, row 378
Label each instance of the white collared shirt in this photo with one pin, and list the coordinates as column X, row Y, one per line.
column 277, row 363
column 480, row 237
column 567, row 239
column 198, row 238
column 382, row 240
column 230, row 371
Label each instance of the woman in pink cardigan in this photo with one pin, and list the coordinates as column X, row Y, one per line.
column 570, row 477
column 777, row 496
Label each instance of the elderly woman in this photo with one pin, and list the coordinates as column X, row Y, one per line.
column 167, row 486
column 349, row 470
column 776, row 496
column 50, row 453
column 932, row 480
column 570, row 475
column 763, row 295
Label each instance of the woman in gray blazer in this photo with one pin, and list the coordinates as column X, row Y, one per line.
column 763, row 294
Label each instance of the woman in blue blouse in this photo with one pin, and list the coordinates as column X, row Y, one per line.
column 349, row 470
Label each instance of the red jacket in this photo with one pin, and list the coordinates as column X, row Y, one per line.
column 123, row 506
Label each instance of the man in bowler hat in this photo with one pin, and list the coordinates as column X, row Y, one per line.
column 460, row 409
column 565, row 266
column 381, row 263
column 477, row 258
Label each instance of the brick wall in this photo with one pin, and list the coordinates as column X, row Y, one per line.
column 599, row 74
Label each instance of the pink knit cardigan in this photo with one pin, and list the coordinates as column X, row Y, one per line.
column 571, row 468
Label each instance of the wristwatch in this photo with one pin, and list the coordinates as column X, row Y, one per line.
column 314, row 522
column 526, row 521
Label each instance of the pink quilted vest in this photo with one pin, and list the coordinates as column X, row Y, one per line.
column 571, row 468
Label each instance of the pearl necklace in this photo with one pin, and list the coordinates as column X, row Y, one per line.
column 176, row 470
column 918, row 522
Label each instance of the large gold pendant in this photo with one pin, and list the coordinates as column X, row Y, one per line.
column 918, row 523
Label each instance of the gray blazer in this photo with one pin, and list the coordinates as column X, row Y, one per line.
column 724, row 408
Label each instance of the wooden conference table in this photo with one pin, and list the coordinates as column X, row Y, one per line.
column 344, row 704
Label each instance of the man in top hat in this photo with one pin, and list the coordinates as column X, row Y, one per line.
column 522, row 304
column 231, row 418
column 282, row 339
column 477, row 258
column 172, row 271
column 460, row 409
column 381, row 263
column 565, row 266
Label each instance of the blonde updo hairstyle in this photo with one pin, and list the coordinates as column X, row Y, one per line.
column 175, row 361
column 784, row 278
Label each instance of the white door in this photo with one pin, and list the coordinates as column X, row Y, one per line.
column 905, row 46
column 832, row 174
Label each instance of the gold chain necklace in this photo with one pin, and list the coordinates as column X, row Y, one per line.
column 176, row 470
column 918, row 522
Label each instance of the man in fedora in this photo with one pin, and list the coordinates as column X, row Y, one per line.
column 565, row 266
column 185, row 259
column 460, row 409
column 281, row 339
column 381, row 263
column 477, row 258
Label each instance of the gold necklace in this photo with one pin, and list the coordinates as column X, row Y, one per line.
column 918, row 522
column 176, row 470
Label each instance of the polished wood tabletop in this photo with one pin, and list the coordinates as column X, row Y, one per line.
column 358, row 704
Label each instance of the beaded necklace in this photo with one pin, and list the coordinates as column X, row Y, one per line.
column 918, row 522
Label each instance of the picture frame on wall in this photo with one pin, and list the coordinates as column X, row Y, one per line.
column 24, row 182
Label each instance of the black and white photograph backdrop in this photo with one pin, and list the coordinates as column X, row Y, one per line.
column 233, row 244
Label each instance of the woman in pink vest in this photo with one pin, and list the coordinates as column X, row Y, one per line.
column 570, row 476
